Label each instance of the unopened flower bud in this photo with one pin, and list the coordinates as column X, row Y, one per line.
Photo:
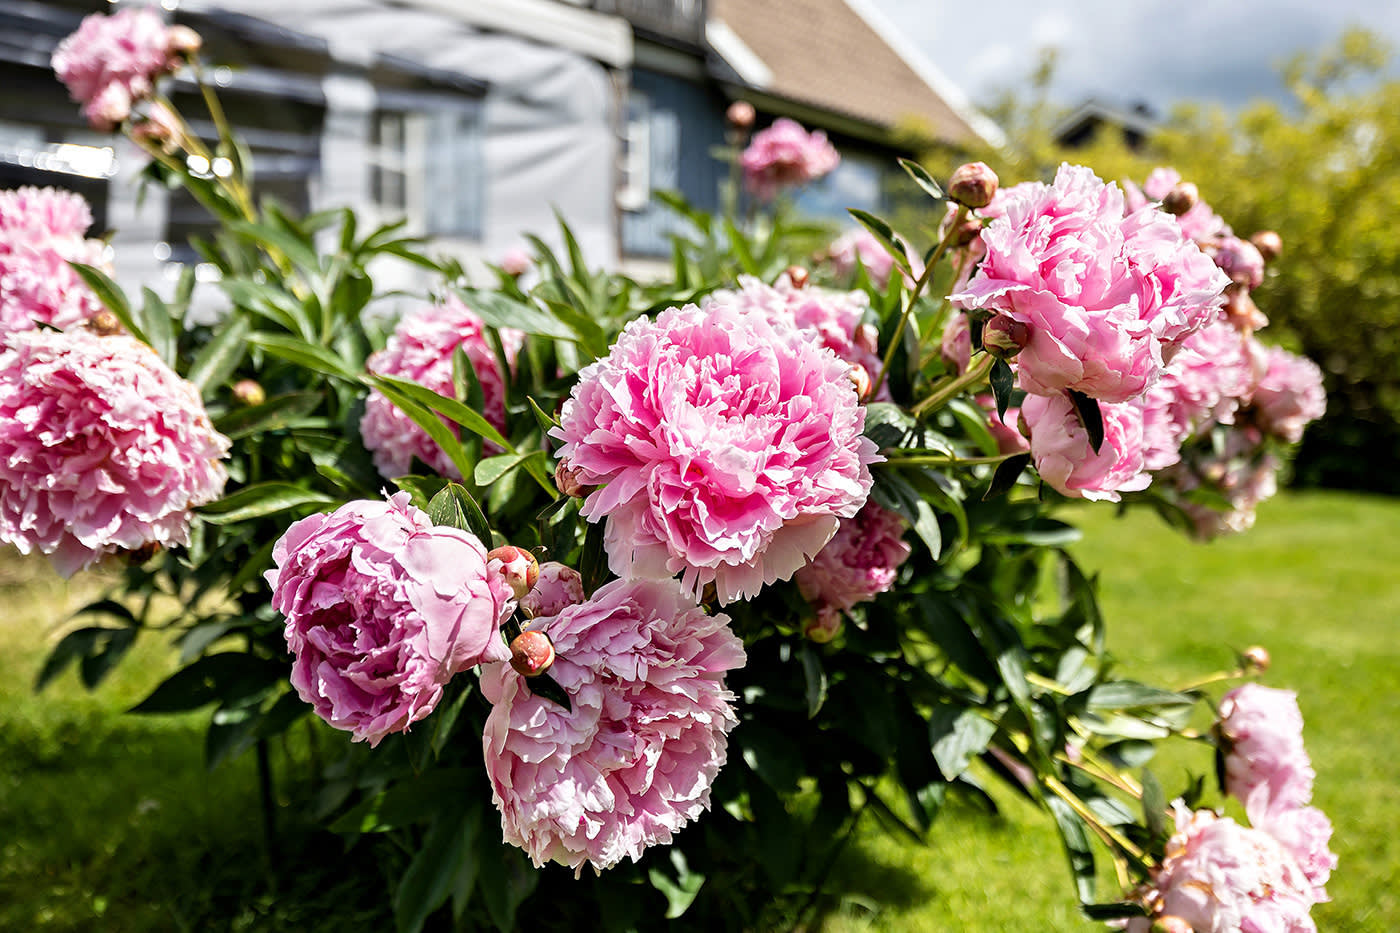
column 515, row 262
column 104, row 324
column 531, row 653
column 972, row 184
column 1183, row 196
column 248, row 392
column 1269, row 244
column 1256, row 659
column 519, row 567
column 182, row 40
column 860, row 379
column 868, row 338
column 740, row 114
column 567, row 479
column 825, row 625
column 1004, row 337
column 1170, row 924
column 1241, row 311
column 798, row 276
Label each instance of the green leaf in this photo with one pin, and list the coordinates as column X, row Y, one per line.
column 958, row 735
column 231, row 677
column 447, row 853
column 885, row 234
column 1115, row 911
column 281, row 241
column 1154, row 804
column 472, row 420
column 680, row 890
column 888, row 425
column 259, row 500
column 110, row 294
column 1007, row 472
column 1003, row 382
column 219, row 358
column 546, row 687
column 503, row 883
column 425, row 418
column 159, row 326
column 275, row 414
column 1090, row 415
column 772, row 754
column 1075, row 836
column 310, row 355
column 500, row 311
column 922, row 178
column 105, row 644
column 815, row 677
column 455, row 508
column 593, row 562
column 1127, row 694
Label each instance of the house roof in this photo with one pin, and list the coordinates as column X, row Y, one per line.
column 843, row 57
column 1137, row 118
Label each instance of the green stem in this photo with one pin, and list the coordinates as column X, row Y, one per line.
column 1108, row 834
column 975, row 374
column 913, row 295
column 935, row 460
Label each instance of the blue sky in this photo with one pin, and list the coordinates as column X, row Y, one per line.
column 1124, row 51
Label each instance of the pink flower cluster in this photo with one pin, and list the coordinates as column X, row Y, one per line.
column 102, row 447
column 112, row 62
column 382, row 609
column 835, row 319
column 557, row 588
column 784, row 156
column 1288, row 393
column 421, row 350
column 632, row 761
column 860, row 561
column 726, row 447
column 1221, row 877
column 1066, row 460
column 41, row 232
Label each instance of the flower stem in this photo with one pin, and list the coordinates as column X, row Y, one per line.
column 975, row 374
column 1108, row 834
column 935, row 460
column 914, row 294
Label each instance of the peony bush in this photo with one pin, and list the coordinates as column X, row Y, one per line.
column 623, row 604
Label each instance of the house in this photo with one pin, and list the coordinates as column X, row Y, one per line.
column 1093, row 118
column 478, row 119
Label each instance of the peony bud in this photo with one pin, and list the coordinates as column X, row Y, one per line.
column 518, row 566
column 105, row 324
column 868, row 338
column 182, row 40
column 1269, row 244
column 824, row 626
column 797, row 275
column 515, row 262
column 1181, row 198
column 1241, row 311
column 531, row 653
column 740, row 114
column 973, row 184
column 566, row 478
column 1004, row 337
column 860, row 379
column 968, row 231
column 248, row 392
column 1255, row 659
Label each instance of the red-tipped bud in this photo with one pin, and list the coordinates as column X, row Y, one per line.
column 1181, row 198
column 531, row 653
column 825, row 625
column 868, row 338
column 1004, row 337
column 567, row 479
column 519, row 567
column 798, row 276
column 1269, row 244
column 860, row 379
column 248, row 392
column 973, row 184
column 1255, row 659
column 740, row 114
column 105, row 324
column 182, row 40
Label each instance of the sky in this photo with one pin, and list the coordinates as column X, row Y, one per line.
column 1158, row 52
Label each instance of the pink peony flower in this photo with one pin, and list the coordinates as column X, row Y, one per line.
column 383, row 607
column 103, row 447
column 860, row 561
column 955, row 346
column 557, row 588
column 1064, row 459
column 1099, row 293
column 1221, row 877
column 1006, row 431
column 1266, row 766
column 41, row 231
column 1200, row 223
column 421, row 350
column 111, row 62
column 728, row 447
column 1161, row 435
column 859, row 246
column 1288, row 394
column 785, row 155
column 835, row 319
column 633, row 760
column 1243, row 474
column 1207, row 378
column 1304, row 833
column 1240, row 260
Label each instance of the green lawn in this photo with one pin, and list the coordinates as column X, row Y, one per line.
column 110, row 822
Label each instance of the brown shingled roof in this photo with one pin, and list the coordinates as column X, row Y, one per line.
column 824, row 54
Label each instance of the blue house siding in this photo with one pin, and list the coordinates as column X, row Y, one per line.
column 684, row 122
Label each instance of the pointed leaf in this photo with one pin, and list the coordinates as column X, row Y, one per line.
column 110, row 294
column 1090, row 415
column 218, row 358
column 922, row 178
column 259, row 500
column 1007, row 472
column 455, row 508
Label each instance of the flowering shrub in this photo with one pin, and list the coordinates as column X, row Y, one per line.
column 865, row 477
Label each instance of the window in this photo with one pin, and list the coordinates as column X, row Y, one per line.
column 856, row 182
column 425, row 163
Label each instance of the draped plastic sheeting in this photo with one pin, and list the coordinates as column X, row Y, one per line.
column 548, row 141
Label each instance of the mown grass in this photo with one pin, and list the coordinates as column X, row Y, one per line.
column 1316, row 582
column 111, row 822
